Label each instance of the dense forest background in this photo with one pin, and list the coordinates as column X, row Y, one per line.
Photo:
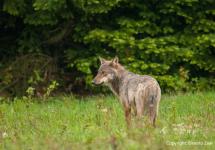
column 55, row 44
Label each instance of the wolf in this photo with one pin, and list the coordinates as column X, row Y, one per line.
column 141, row 93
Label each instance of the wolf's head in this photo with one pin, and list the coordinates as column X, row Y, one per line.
column 107, row 72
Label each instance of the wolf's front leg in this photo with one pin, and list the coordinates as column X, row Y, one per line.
column 127, row 110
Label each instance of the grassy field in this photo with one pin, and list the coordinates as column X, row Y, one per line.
column 186, row 121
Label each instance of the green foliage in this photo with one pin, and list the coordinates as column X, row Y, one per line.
column 96, row 6
column 99, row 123
column 34, row 71
column 150, row 37
column 53, row 85
column 30, row 92
column 14, row 7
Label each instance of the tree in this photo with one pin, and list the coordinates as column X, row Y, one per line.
column 171, row 40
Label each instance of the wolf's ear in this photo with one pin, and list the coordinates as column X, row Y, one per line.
column 115, row 60
column 102, row 60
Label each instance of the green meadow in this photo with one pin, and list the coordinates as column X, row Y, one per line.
column 186, row 121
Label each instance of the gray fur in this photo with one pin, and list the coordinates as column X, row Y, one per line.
column 140, row 92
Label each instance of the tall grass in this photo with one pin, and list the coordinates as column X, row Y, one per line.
column 184, row 122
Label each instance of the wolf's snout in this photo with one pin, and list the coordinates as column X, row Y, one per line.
column 95, row 82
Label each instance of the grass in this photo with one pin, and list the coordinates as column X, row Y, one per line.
column 185, row 122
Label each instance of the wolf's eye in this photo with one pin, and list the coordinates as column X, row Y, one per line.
column 103, row 72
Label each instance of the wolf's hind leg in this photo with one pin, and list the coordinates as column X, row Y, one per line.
column 152, row 109
column 133, row 106
column 152, row 115
column 139, row 107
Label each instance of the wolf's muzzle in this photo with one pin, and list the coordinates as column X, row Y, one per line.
column 95, row 83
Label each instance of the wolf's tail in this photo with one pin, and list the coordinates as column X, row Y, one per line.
column 158, row 97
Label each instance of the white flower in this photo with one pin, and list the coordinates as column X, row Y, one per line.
column 104, row 110
column 4, row 135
